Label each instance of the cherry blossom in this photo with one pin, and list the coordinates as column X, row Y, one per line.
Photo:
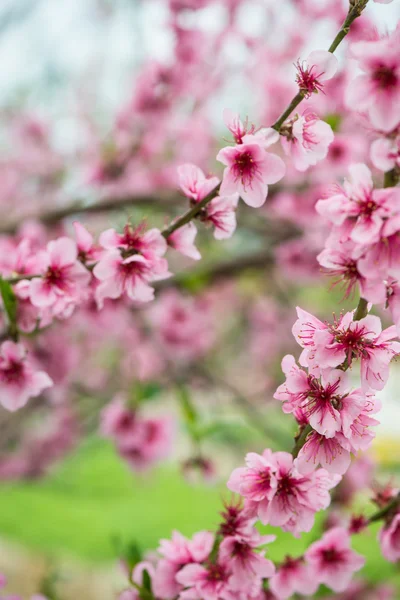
column 318, row 67
column 306, row 140
column 332, row 560
column 19, row 380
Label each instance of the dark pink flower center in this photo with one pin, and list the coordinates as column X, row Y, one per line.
column 367, row 207
column 245, row 168
column 12, row 373
column 133, row 268
column 385, row 77
column 241, row 550
column 307, row 79
column 318, row 397
column 332, row 556
column 216, row 573
column 286, row 485
column 233, row 520
column 55, row 277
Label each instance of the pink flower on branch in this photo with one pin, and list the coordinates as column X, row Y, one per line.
column 389, row 539
column 359, row 210
column 249, row 167
column 131, row 262
column 278, row 494
column 306, row 139
column 194, row 183
column 63, row 278
column 319, row 66
column 293, row 576
column 182, row 240
column 249, row 568
column 327, row 403
column 377, row 89
column 19, row 380
column 332, row 561
column 328, row 345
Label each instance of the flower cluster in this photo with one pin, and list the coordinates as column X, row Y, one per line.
column 233, row 566
column 249, row 168
column 319, row 393
column 141, row 441
column 362, row 247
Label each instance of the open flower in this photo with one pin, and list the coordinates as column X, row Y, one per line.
column 359, row 209
column 377, row 89
column 63, row 277
column 19, row 381
column 389, row 539
column 319, row 66
column 306, row 139
column 250, row 169
column 332, row 561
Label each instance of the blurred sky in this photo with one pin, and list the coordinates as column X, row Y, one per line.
column 47, row 46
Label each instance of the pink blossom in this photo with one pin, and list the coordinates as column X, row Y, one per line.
column 131, row 275
column 385, row 153
column 132, row 261
column 176, row 553
column 184, row 325
column 211, row 582
column 329, row 345
column 332, row 454
column 194, row 183
column 140, row 440
column 381, row 260
column 332, row 561
column 359, row 207
column 278, row 494
column 377, row 90
column 221, row 213
column 19, row 381
column 248, row 567
column 63, row 279
column 318, row 67
column 117, row 421
column 328, row 404
column 293, row 576
column 238, row 128
column 151, row 441
column 249, row 170
column 340, row 262
column 393, row 300
column 256, row 482
column 389, row 539
column 307, row 140
column 182, row 240
column 87, row 250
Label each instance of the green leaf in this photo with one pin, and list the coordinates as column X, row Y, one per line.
column 146, row 580
column 130, row 552
column 333, row 120
column 10, row 306
column 188, row 409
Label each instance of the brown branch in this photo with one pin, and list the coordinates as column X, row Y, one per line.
column 354, row 12
column 53, row 216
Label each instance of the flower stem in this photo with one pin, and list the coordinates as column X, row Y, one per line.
column 391, row 178
column 386, row 510
column 361, row 310
column 301, row 440
column 294, row 103
column 190, row 214
column 354, row 12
